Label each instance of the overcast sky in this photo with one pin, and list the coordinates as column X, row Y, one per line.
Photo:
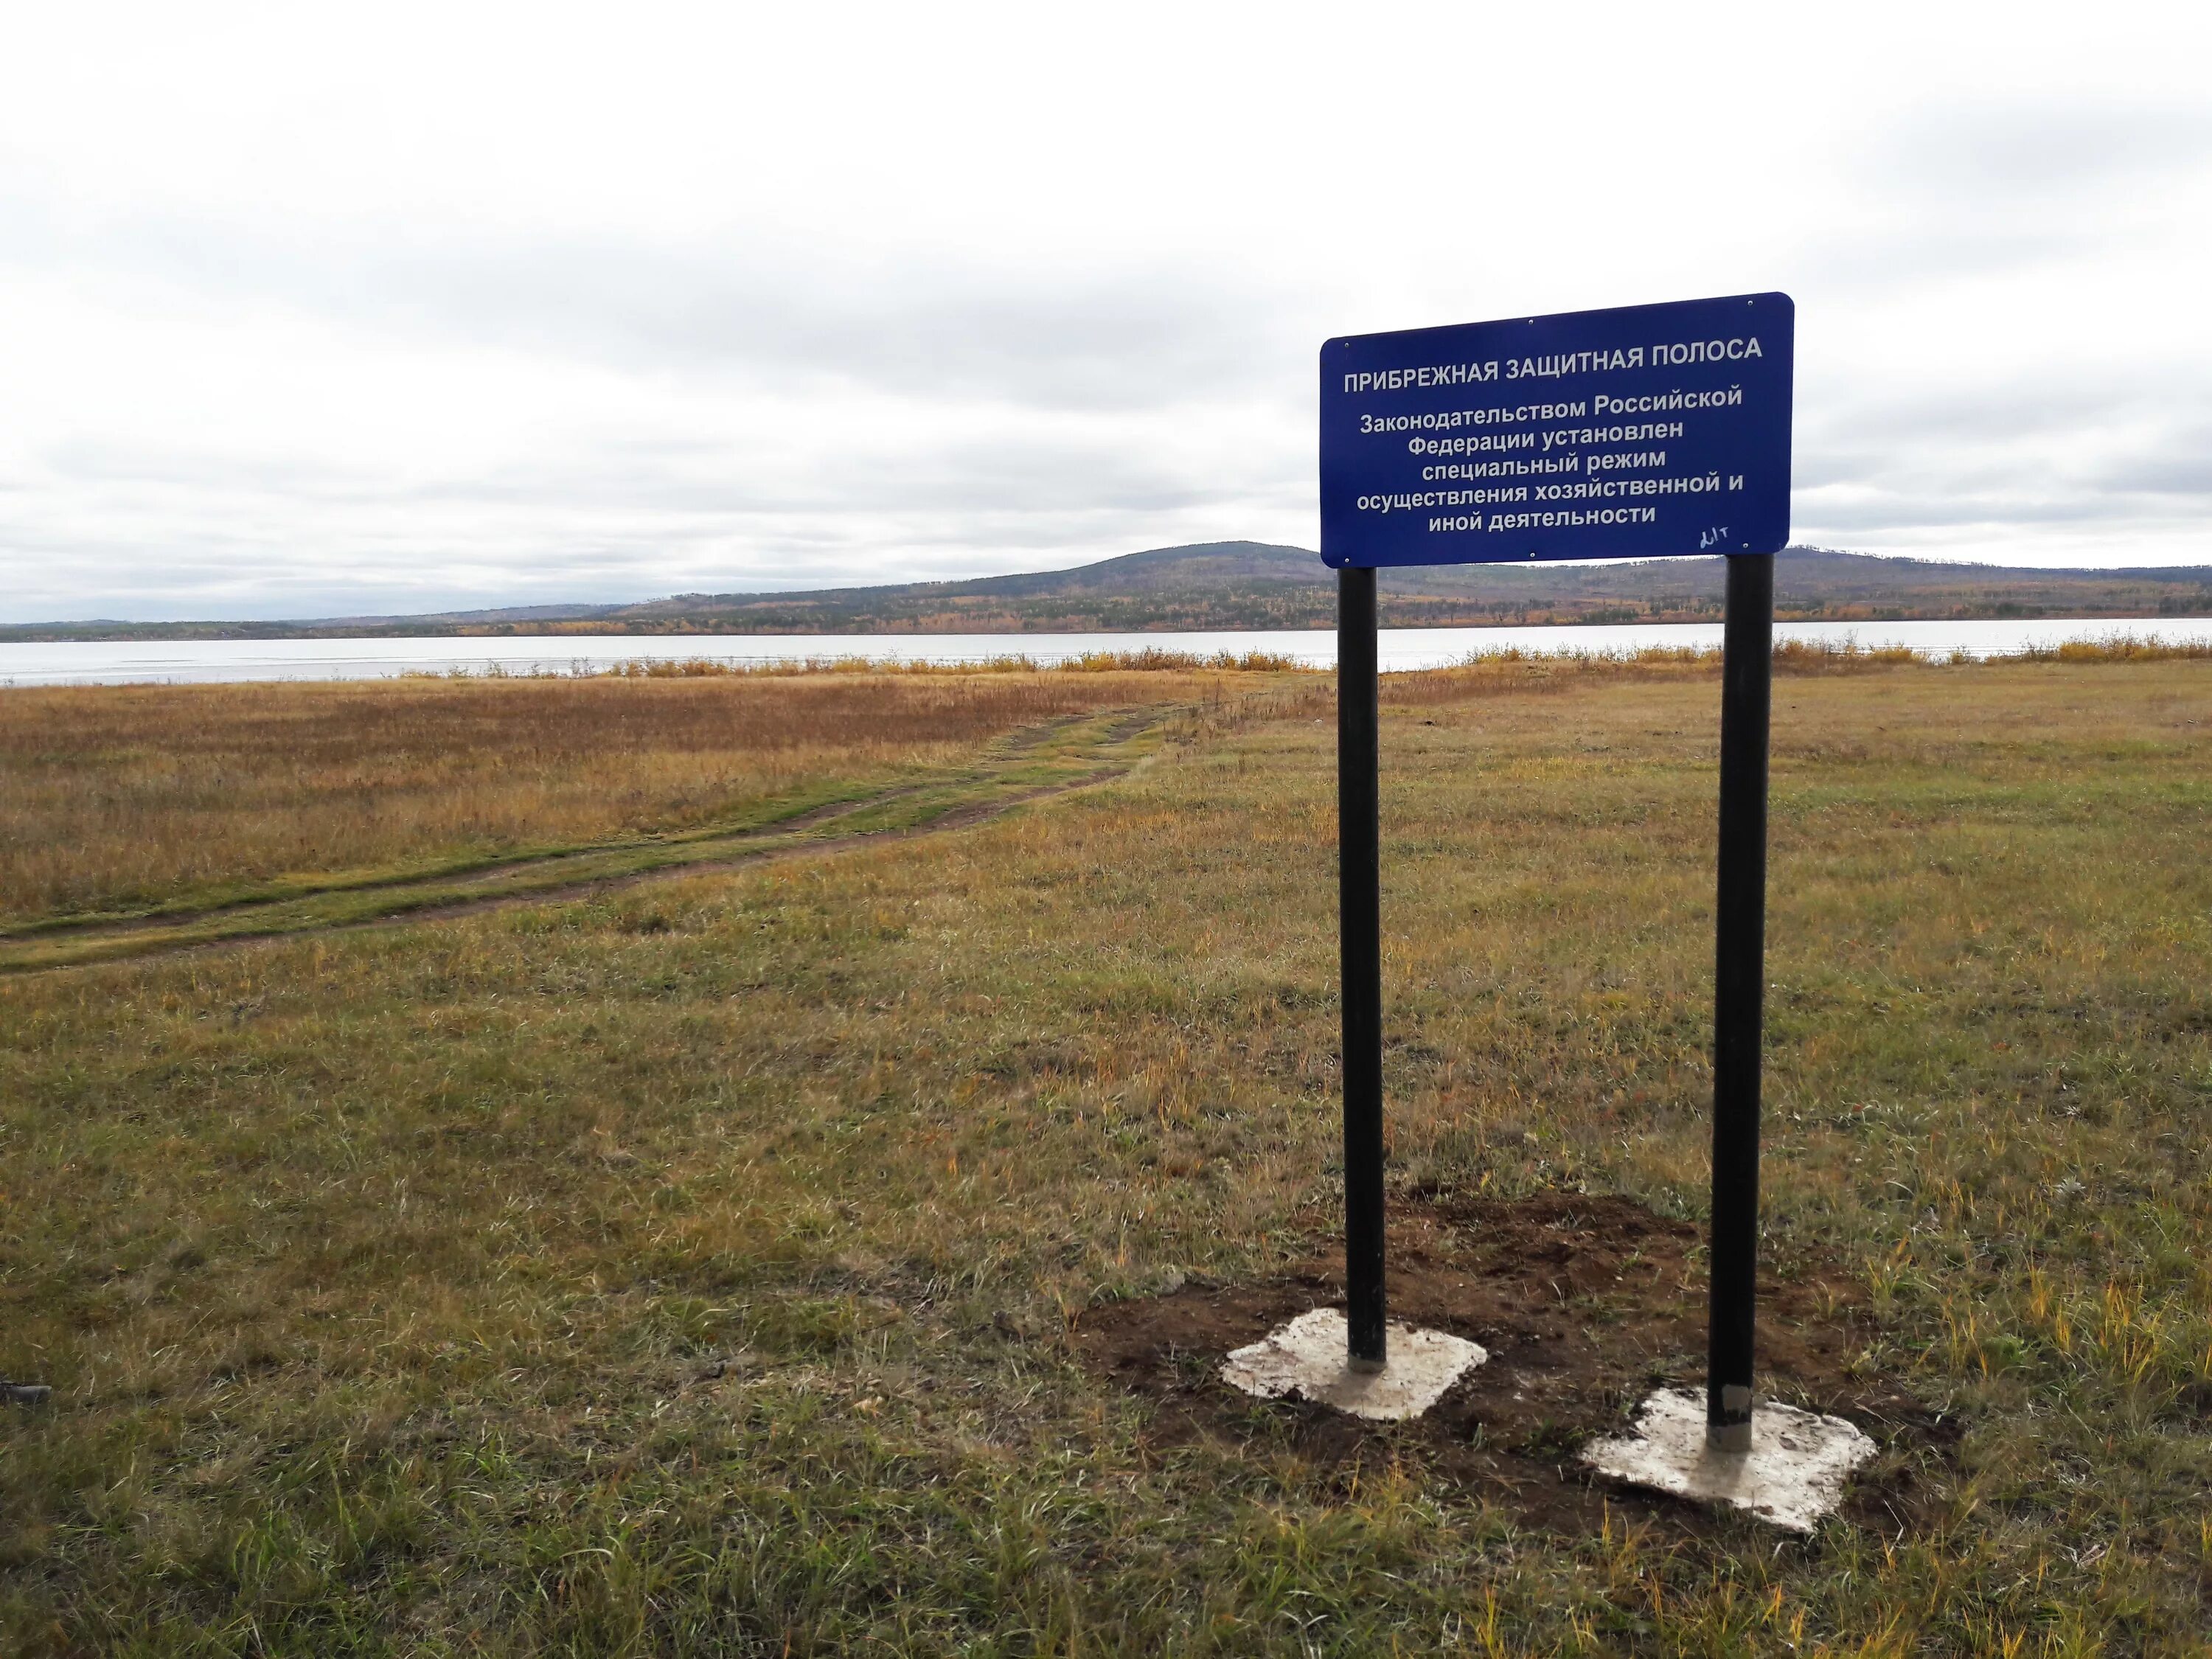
column 307, row 310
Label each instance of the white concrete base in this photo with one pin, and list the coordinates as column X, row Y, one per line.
column 1306, row 1358
column 1793, row 1474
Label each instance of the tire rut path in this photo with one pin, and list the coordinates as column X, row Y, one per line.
column 1077, row 752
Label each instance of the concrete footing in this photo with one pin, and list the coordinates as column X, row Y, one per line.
column 1306, row 1359
column 1792, row 1476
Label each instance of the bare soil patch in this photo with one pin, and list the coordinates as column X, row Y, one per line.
column 1585, row 1301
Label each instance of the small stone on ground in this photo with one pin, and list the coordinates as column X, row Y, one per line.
column 1307, row 1359
column 1792, row 1476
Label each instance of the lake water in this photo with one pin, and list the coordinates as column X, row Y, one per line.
column 188, row 660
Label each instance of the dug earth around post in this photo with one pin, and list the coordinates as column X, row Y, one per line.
column 1585, row 1304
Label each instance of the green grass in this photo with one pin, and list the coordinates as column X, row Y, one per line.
column 688, row 1267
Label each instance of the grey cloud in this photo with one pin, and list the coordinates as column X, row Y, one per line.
column 1928, row 509
column 173, row 535
column 1113, row 338
column 2009, row 428
column 1038, row 465
column 1936, row 242
column 2189, row 473
column 1107, row 340
column 2000, row 189
column 2039, row 148
column 1011, row 417
column 2008, row 464
column 1013, row 471
column 107, row 460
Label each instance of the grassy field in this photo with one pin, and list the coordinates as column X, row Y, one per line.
column 126, row 801
column 715, row 1263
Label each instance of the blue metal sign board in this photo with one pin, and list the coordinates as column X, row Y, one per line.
column 1593, row 435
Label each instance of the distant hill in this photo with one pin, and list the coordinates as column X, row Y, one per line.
column 1236, row 585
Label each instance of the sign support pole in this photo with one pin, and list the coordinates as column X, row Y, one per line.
column 1359, row 911
column 1738, row 984
column 1725, row 478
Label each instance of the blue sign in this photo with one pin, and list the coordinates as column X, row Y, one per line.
column 1593, row 435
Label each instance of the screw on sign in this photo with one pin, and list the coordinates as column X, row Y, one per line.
column 1644, row 432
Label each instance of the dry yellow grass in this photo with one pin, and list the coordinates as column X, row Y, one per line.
column 130, row 796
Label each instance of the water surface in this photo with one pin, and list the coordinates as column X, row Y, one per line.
column 180, row 661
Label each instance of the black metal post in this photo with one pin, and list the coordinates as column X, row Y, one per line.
column 1359, row 909
column 1740, row 962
